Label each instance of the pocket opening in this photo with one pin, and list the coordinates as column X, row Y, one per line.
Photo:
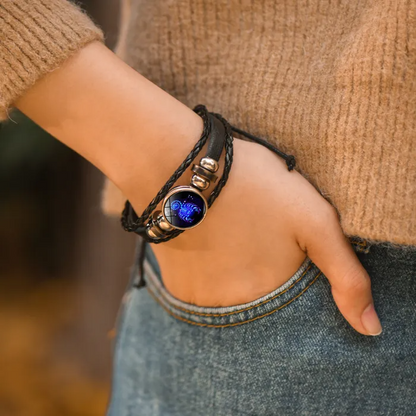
column 276, row 300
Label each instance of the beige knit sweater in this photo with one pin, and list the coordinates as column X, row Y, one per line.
column 332, row 82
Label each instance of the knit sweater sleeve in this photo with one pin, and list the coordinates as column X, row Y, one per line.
column 36, row 37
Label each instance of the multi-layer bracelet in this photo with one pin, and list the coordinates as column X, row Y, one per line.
column 185, row 207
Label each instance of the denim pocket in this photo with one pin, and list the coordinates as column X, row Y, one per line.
column 219, row 317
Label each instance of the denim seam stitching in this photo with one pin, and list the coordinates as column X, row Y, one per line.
column 235, row 323
column 240, row 310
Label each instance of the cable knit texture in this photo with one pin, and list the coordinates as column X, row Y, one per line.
column 36, row 36
column 332, row 82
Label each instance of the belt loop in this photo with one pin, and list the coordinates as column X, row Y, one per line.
column 359, row 244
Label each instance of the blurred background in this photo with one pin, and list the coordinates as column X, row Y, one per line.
column 63, row 269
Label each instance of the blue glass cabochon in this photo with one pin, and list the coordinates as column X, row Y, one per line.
column 185, row 209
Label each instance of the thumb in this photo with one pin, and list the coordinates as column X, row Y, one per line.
column 331, row 251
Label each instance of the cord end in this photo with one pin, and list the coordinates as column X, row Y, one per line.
column 290, row 162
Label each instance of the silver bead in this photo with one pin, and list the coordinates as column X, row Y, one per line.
column 150, row 232
column 163, row 224
column 199, row 182
column 210, row 164
column 153, row 229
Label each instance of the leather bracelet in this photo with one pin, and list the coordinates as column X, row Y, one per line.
column 185, row 207
column 221, row 132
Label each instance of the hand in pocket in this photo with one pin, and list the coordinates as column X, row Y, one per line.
column 257, row 234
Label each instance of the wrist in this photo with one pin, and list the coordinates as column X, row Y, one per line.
column 143, row 172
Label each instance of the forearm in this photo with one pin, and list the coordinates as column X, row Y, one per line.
column 132, row 130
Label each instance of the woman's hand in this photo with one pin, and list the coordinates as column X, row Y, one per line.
column 257, row 234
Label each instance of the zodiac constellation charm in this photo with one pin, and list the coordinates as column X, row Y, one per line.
column 184, row 207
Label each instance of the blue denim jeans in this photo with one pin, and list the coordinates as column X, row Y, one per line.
column 290, row 352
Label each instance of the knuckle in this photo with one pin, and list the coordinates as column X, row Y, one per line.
column 356, row 281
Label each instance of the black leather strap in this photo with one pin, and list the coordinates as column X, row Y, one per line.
column 216, row 138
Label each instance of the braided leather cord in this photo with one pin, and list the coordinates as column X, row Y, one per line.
column 138, row 224
column 215, row 192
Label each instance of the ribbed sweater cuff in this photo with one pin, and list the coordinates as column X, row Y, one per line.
column 36, row 37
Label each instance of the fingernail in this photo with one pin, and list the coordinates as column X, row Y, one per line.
column 370, row 321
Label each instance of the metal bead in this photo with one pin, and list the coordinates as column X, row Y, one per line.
column 163, row 224
column 204, row 173
column 153, row 230
column 155, row 215
column 199, row 182
column 210, row 164
column 150, row 231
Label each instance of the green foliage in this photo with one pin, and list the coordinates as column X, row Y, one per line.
column 25, row 145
